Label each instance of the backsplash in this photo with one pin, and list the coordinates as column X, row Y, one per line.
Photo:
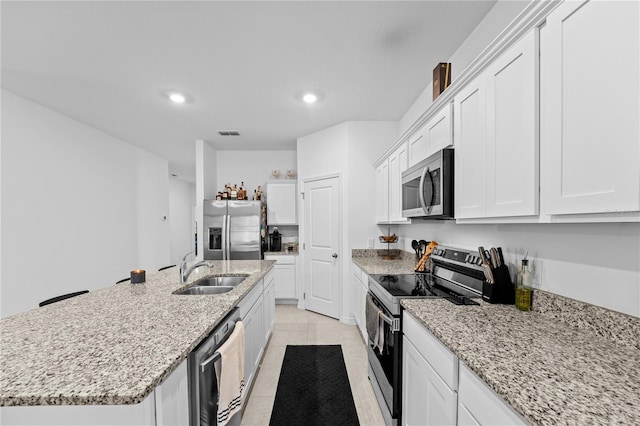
column 620, row 328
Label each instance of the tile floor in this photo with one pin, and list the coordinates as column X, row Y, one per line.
column 297, row 327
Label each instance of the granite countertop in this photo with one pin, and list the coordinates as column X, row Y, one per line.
column 113, row 345
column 282, row 253
column 371, row 262
column 564, row 363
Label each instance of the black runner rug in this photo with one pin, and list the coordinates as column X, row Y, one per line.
column 313, row 388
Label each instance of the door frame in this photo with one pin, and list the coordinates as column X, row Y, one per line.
column 302, row 273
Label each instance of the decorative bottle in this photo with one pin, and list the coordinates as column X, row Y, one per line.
column 523, row 287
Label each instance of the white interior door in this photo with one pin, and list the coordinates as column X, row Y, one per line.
column 322, row 244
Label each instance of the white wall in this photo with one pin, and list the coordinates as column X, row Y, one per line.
column 78, row 212
column 347, row 149
column 252, row 167
column 367, row 142
column 487, row 30
column 181, row 210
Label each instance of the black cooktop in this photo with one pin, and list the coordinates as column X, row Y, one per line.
column 406, row 286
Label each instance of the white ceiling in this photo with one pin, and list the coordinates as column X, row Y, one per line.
column 107, row 64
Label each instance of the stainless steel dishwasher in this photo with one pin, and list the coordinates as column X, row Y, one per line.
column 203, row 383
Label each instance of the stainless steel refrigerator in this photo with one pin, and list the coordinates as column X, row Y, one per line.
column 232, row 230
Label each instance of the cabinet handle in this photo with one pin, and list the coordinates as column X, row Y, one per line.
column 334, row 255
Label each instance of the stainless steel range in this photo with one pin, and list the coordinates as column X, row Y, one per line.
column 455, row 275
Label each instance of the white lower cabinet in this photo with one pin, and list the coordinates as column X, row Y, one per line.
column 172, row 398
column 252, row 315
column 359, row 290
column 167, row 405
column 285, row 275
column 478, row 404
column 438, row 389
column 427, row 400
column 269, row 305
column 429, row 378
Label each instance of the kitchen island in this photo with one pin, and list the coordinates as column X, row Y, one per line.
column 113, row 346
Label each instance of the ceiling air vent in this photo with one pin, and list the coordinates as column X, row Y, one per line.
column 228, row 133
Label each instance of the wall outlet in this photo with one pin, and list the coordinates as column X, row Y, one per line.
column 371, row 242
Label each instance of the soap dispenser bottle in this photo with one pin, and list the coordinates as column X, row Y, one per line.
column 524, row 291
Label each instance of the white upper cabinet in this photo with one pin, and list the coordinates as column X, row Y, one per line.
column 436, row 134
column 397, row 165
column 495, row 121
column 512, row 130
column 281, row 204
column 470, row 166
column 382, row 192
column 389, row 187
column 590, row 104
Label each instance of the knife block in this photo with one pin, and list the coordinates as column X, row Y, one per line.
column 501, row 291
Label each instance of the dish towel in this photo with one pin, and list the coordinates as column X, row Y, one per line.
column 374, row 324
column 230, row 374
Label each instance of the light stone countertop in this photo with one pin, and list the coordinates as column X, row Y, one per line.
column 564, row 363
column 113, row 345
column 551, row 372
column 281, row 253
column 370, row 261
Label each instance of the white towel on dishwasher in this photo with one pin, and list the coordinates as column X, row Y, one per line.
column 230, row 373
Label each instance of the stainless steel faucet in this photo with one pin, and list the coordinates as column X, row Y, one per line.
column 185, row 272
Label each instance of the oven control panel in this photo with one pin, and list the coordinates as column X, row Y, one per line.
column 457, row 256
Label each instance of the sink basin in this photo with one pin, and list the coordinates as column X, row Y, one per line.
column 221, row 281
column 214, row 285
column 200, row 290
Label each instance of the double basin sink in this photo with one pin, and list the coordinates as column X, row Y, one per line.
column 213, row 285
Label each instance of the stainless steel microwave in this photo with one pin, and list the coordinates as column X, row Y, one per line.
column 427, row 187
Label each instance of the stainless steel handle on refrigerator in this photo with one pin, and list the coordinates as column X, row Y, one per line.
column 225, row 239
column 334, row 255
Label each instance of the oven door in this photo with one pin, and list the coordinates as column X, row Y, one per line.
column 384, row 352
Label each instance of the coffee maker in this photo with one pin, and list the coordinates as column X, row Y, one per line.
column 275, row 240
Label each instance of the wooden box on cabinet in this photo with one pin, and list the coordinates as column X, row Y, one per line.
column 441, row 78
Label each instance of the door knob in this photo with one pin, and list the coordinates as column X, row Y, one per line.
column 334, row 255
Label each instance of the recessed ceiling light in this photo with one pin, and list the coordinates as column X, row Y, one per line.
column 177, row 98
column 309, row 98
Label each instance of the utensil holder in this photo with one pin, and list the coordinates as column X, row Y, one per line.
column 501, row 291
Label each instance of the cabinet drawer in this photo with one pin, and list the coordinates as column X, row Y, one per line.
column 250, row 299
column 443, row 361
column 482, row 405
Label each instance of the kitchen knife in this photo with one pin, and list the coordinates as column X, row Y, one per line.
column 500, row 256
column 486, row 267
column 495, row 261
